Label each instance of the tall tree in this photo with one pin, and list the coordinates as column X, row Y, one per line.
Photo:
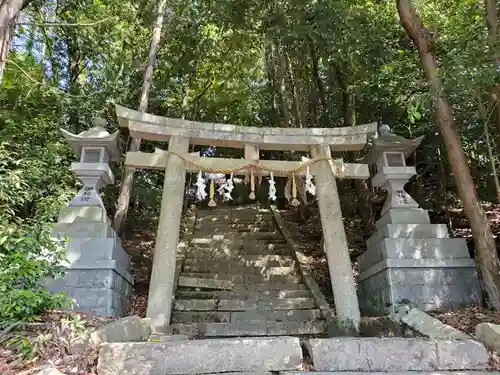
column 135, row 145
column 486, row 253
column 9, row 10
column 494, row 34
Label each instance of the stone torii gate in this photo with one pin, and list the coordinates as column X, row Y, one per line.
column 179, row 134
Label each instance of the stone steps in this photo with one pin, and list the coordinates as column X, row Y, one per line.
column 268, row 286
column 245, row 316
column 228, row 295
column 200, row 356
column 206, row 263
column 243, row 305
column 208, row 227
column 262, row 328
column 396, row 354
column 283, row 355
column 239, row 269
column 225, row 252
column 251, row 260
column 210, row 243
column 247, row 287
column 265, row 295
column 246, row 278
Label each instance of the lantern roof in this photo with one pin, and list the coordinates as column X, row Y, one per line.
column 96, row 136
column 386, row 141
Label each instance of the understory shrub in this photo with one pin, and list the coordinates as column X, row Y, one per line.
column 28, row 255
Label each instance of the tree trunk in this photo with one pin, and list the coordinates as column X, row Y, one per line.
column 362, row 187
column 320, row 96
column 9, row 10
column 484, row 243
column 295, row 92
column 281, row 71
column 271, row 79
column 493, row 36
column 4, row 49
column 485, row 117
column 135, row 145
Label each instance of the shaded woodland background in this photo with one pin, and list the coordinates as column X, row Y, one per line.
column 286, row 63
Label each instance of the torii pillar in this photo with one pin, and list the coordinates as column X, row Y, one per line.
column 337, row 251
column 163, row 274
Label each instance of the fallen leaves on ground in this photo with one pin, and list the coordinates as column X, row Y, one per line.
column 51, row 342
column 466, row 319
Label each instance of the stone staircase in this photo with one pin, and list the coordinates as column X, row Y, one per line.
column 240, row 305
column 239, row 278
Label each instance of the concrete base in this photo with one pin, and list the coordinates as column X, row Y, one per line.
column 97, row 276
column 415, row 262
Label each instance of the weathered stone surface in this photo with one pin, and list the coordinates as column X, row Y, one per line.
column 279, row 316
column 200, row 356
column 250, row 329
column 413, row 248
column 238, row 268
column 426, row 324
column 243, row 305
column 409, row 258
column 200, row 316
column 461, row 355
column 96, row 275
column 85, row 229
column 401, row 216
column 129, row 329
column 167, row 338
column 50, row 371
column 399, row 355
column 87, row 213
column 335, row 242
column 151, row 127
column 268, row 286
column 227, row 295
column 409, row 231
column 102, row 301
column 428, row 288
column 88, row 250
column 396, row 354
column 195, row 282
column 286, row 304
column 489, row 335
column 244, row 278
column 243, row 260
column 237, row 305
column 195, row 304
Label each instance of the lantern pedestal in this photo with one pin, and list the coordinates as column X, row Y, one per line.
column 410, row 259
column 97, row 276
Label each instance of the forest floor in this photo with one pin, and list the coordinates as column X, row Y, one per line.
column 50, row 342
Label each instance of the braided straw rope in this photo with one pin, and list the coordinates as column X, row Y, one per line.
column 256, row 165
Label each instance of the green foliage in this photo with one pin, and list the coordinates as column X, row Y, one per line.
column 28, row 255
column 34, row 183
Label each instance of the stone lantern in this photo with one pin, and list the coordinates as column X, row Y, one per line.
column 389, row 153
column 97, row 274
column 96, row 148
column 408, row 258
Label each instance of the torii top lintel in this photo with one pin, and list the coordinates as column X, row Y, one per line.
column 158, row 128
